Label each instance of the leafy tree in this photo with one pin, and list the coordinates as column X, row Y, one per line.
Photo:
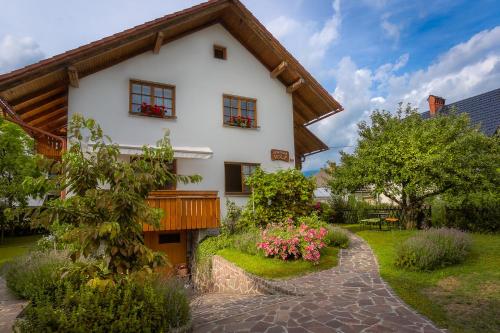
column 17, row 161
column 410, row 159
column 106, row 201
column 277, row 196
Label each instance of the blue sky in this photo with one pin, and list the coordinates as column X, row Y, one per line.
column 368, row 53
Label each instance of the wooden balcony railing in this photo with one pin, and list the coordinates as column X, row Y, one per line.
column 185, row 210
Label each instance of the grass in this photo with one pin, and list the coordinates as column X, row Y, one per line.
column 462, row 298
column 16, row 246
column 270, row 268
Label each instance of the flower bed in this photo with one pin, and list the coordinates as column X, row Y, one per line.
column 288, row 242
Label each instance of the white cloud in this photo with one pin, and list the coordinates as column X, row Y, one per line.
column 377, row 100
column 465, row 70
column 16, row 52
column 299, row 34
column 321, row 40
column 283, row 26
column 391, row 30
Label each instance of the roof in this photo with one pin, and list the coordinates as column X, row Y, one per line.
column 39, row 92
column 321, row 178
column 483, row 110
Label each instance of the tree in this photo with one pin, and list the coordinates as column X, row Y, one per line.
column 106, row 197
column 17, row 161
column 277, row 196
column 410, row 159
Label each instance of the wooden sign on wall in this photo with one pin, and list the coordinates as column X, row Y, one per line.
column 280, row 155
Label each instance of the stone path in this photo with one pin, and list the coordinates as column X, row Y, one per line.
column 10, row 307
column 349, row 298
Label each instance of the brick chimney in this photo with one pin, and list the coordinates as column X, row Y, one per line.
column 435, row 104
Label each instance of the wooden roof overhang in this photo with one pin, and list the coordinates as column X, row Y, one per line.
column 38, row 93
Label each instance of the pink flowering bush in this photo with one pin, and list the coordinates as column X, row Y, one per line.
column 288, row 241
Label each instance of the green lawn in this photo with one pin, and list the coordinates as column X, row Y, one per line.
column 16, row 246
column 462, row 298
column 271, row 268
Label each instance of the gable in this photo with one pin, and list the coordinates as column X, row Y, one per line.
column 40, row 90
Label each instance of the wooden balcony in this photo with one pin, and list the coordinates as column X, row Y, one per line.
column 50, row 147
column 185, row 210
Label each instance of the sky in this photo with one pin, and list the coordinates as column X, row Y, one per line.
column 369, row 54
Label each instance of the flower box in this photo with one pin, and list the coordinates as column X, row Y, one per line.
column 239, row 121
column 153, row 110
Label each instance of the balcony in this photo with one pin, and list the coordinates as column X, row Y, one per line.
column 185, row 210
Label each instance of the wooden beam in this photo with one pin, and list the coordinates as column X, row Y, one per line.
column 39, row 122
column 59, row 101
column 294, row 86
column 50, row 110
column 158, row 42
column 23, row 108
column 305, row 110
column 73, row 76
column 279, row 69
column 56, row 124
column 34, row 101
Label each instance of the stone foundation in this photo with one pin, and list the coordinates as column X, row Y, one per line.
column 226, row 277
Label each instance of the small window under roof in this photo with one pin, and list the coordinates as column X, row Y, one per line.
column 220, row 52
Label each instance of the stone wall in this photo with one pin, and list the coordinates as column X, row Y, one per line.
column 226, row 277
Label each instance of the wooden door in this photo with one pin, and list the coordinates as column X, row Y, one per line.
column 172, row 243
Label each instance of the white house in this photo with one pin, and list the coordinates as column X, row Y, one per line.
column 228, row 92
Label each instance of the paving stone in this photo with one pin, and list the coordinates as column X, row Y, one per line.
column 348, row 298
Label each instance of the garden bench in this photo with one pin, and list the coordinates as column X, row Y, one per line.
column 371, row 221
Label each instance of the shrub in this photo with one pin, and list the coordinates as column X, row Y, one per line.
column 433, row 248
column 287, row 241
column 337, row 237
column 476, row 211
column 277, row 196
column 129, row 306
column 230, row 221
column 247, row 242
column 312, row 221
column 36, row 273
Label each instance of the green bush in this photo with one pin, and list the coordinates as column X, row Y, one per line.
column 246, row 242
column 230, row 222
column 311, row 220
column 277, row 196
column 36, row 273
column 433, row 248
column 478, row 212
column 129, row 306
column 337, row 237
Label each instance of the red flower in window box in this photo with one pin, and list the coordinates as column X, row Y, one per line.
column 152, row 110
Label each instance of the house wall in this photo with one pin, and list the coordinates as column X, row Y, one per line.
column 200, row 82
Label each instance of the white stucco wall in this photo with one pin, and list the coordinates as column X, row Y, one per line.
column 200, row 82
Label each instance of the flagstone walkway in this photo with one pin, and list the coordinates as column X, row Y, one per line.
column 10, row 307
column 349, row 298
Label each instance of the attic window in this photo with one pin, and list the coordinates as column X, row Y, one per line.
column 220, row 52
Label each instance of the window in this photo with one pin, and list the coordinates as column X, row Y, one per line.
column 152, row 99
column 220, row 52
column 236, row 175
column 169, row 238
column 240, row 111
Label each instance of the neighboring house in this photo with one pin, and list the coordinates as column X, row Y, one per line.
column 322, row 193
column 229, row 93
column 483, row 110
